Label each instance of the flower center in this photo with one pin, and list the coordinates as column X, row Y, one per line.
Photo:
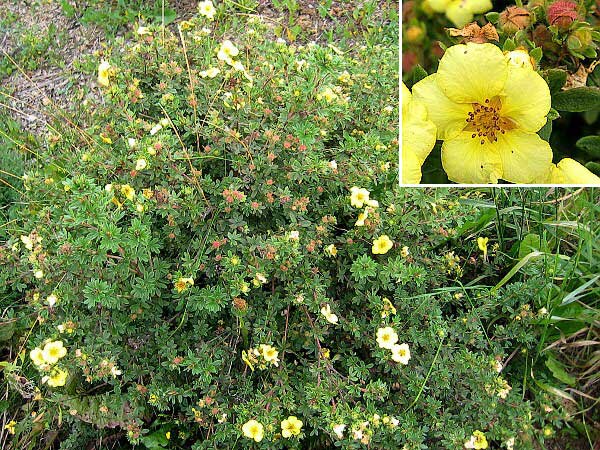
column 486, row 122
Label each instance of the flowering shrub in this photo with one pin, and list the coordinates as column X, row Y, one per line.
column 488, row 129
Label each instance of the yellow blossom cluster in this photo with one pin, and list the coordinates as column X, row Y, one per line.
column 363, row 430
column 33, row 243
column 387, row 338
column 45, row 359
column 360, row 197
column 254, row 430
column 261, row 357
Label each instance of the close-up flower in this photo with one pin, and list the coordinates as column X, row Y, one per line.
column 253, row 430
column 358, row 196
column 104, row 73
column 291, row 426
column 207, row 9
column 382, row 245
column 53, row 351
column 488, row 126
column 400, row 353
column 386, row 337
column 57, row 377
column 37, row 356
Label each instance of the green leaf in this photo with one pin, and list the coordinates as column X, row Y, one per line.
column 509, row 45
column 593, row 167
column 577, row 99
column 545, row 131
column 590, row 145
column 7, row 329
column 492, row 17
column 531, row 243
column 418, row 74
column 559, row 371
column 556, row 79
column 536, row 54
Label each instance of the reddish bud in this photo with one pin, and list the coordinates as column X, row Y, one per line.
column 562, row 13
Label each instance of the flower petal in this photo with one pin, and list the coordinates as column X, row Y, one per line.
column 569, row 171
column 418, row 133
column 459, row 14
column 449, row 117
column 526, row 157
column 528, row 110
column 472, row 73
column 466, row 160
column 411, row 167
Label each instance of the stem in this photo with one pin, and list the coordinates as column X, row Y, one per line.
column 427, row 377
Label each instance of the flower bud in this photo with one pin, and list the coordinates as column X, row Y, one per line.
column 514, row 19
column 562, row 13
column 580, row 39
column 414, row 34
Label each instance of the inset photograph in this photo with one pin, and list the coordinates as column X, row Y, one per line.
column 500, row 93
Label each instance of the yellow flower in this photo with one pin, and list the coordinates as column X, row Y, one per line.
column 405, row 251
column 10, row 427
column 360, row 222
column 400, row 353
column 338, row 429
column 128, row 191
column 104, row 73
column 418, row 137
column 57, row 378
column 328, row 94
column 329, row 316
column 477, row 441
column 569, row 171
column 141, row 31
column 53, row 351
column 37, row 356
column 386, row 337
column 358, row 196
column 488, row 126
column 291, row 427
column 388, row 308
column 207, row 9
column 270, row 354
column 482, row 244
column 183, row 283
column 460, row 12
column 253, row 430
column 382, row 245
column 28, row 242
column 331, row 250
column 140, row 164
column 227, row 51
column 210, row 73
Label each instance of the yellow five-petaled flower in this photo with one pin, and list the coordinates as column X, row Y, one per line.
column 207, row 9
column 382, row 245
column 104, row 73
column 291, row 427
column 253, row 430
column 476, row 99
